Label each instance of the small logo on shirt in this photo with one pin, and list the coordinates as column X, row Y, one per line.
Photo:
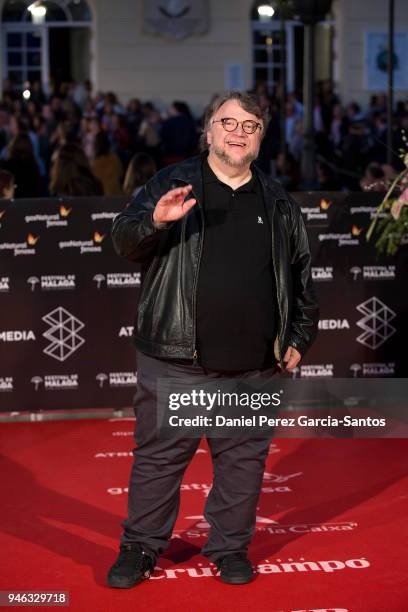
column 260, row 220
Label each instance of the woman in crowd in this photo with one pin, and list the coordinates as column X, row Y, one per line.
column 22, row 164
column 141, row 168
column 148, row 134
column 89, row 128
column 71, row 174
column 7, row 186
column 107, row 166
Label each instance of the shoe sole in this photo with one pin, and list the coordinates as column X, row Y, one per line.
column 237, row 580
column 120, row 583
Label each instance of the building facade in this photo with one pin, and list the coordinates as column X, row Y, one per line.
column 162, row 50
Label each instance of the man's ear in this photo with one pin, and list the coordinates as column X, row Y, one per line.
column 209, row 138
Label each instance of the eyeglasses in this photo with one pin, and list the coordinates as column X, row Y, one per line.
column 230, row 124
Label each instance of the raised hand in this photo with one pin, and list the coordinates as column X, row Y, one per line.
column 172, row 206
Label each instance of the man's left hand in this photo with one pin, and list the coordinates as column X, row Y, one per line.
column 291, row 358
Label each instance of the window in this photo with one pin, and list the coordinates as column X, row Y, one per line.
column 23, row 57
column 26, row 43
column 57, row 11
column 269, row 50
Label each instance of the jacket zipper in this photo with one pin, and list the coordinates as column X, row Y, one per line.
column 277, row 287
column 195, row 351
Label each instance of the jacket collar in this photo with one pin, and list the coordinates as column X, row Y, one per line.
column 190, row 171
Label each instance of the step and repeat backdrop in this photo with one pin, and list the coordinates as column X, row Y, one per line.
column 68, row 301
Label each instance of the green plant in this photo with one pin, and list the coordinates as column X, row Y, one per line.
column 390, row 223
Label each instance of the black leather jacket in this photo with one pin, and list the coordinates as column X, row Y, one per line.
column 166, row 318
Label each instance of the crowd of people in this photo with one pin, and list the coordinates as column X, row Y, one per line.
column 76, row 143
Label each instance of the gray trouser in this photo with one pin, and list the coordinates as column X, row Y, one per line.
column 159, row 466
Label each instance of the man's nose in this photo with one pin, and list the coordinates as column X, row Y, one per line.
column 239, row 129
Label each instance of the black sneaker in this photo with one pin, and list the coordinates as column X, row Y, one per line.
column 235, row 568
column 131, row 567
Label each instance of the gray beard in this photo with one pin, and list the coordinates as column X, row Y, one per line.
column 223, row 156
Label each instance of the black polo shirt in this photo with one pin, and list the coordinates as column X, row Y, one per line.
column 236, row 293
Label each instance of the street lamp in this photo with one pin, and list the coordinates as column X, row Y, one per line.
column 309, row 12
column 265, row 11
column 38, row 12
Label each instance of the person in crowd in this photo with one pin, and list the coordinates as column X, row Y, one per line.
column 23, row 123
column 4, row 128
column 178, row 134
column 7, row 185
column 354, row 113
column 22, row 164
column 63, row 134
column 295, row 99
column 109, row 104
column 149, row 130
column 337, row 126
column 56, row 109
column 347, row 136
column 71, row 173
column 44, row 150
column 378, row 105
column 287, row 171
column 374, row 178
column 326, row 178
column 355, row 148
column 31, row 109
column 134, row 116
column 78, row 92
column 390, row 173
column 121, row 141
column 378, row 133
column 294, row 129
column 328, row 101
column 201, row 321
column 9, row 93
column 318, row 115
column 271, row 142
column 89, row 128
column 141, row 169
column 107, row 166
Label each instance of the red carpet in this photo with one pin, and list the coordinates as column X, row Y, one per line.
column 331, row 531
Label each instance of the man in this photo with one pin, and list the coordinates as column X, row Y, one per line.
column 227, row 293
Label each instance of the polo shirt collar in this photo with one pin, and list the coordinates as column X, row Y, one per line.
column 210, row 177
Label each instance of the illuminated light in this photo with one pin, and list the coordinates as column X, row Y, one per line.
column 265, row 10
column 37, row 9
column 26, row 94
column 38, row 12
column 268, row 41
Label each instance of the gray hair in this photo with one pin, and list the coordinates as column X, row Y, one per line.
column 247, row 101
